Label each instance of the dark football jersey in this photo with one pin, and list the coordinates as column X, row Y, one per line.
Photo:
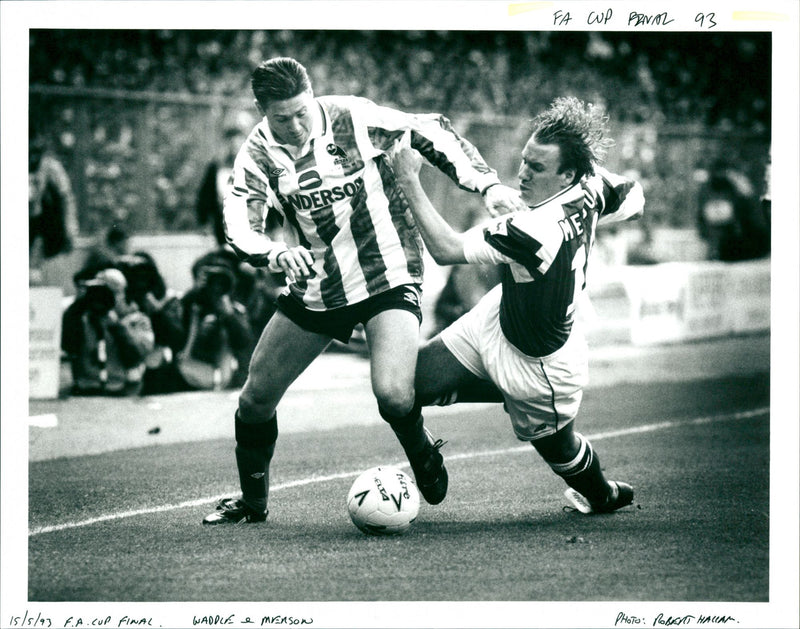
column 544, row 252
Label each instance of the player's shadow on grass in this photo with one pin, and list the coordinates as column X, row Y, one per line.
column 523, row 523
column 556, row 524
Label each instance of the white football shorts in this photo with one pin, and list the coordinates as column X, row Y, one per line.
column 542, row 394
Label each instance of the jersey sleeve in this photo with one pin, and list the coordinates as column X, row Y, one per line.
column 620, row 198
column 522, row 238
column 248, row 201
column 478, row 251
column 436, row 140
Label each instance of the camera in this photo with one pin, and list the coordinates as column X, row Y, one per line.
column 218, row 279
column 98, row 296
column 141, row 275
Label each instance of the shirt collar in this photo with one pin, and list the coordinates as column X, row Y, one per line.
column 571, row 193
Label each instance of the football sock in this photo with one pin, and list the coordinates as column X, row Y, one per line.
column 583, row 473
column 255, row 445
column 408, row 428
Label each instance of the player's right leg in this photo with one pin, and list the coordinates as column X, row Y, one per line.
column 283, row 352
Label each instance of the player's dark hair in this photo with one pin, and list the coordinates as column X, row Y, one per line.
column 578, row 129
column 280, row 78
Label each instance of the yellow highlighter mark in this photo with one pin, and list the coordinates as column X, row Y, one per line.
column 767, row 16
column 524, row 7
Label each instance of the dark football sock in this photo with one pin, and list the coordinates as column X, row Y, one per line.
column 408, row 428
column 253, row 477
column 583, row 473
column 255, row 445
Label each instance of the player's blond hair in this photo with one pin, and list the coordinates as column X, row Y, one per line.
column 579, row 129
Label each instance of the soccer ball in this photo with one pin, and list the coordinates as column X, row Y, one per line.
column 383, row 501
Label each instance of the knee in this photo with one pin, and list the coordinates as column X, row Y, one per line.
column 394, row 398
column 559, row 447
column 254, row 406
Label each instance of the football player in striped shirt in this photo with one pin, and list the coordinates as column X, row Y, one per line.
column 350, row 250
column 522, row 343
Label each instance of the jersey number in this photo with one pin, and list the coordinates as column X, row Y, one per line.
column 579, row 276
column 579, row 264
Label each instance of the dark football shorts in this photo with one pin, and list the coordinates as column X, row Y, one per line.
column 340, row 322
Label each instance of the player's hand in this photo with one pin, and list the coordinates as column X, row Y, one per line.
column 406, row 163
column 296, row 263
column 500, row 199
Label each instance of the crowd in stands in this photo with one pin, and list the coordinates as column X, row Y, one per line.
column 136, row 115
column 676, row 76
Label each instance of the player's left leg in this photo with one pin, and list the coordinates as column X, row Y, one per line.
column 393, row 339
column 570, row 455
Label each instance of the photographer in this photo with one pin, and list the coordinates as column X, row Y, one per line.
column 147, row 289
column 257, row 289
column 220, row 339
column 105, row 338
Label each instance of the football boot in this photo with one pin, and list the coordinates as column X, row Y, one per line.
column 429, row 470
column 234, row 511
column 621, row 496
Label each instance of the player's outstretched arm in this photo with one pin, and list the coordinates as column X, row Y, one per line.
column 445, row 245
column 439, row 143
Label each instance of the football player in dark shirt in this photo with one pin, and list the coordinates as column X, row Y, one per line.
column 522, row 343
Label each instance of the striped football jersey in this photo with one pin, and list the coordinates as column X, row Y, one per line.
column 544, row 253
column 340, row 198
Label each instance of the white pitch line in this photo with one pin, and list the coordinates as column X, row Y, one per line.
column 48, row 420
column 455, row 457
